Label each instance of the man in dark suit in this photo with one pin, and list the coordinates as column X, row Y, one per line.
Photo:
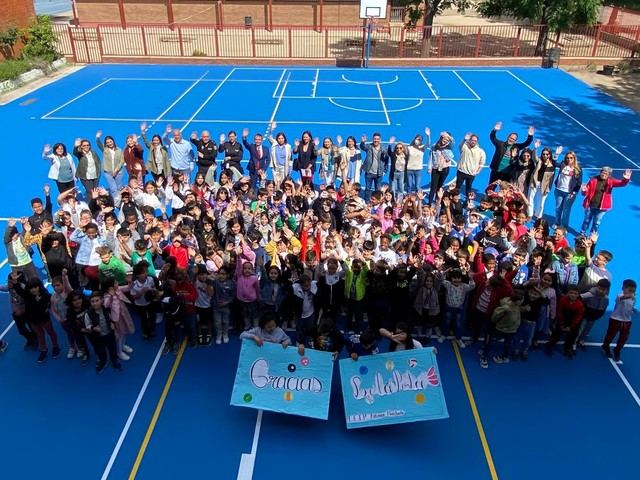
column 207, row 151
column 258, row 158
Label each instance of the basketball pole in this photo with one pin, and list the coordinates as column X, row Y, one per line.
column 369, row 28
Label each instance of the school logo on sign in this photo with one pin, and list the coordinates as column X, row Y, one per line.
column 280, row 380
column 392, row 388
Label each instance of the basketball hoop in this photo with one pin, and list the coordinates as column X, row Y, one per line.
column 371, row 10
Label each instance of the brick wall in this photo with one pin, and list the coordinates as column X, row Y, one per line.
column 285, row 12
column 15, row 13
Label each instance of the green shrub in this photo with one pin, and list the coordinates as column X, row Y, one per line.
column 39, row 40
column 11, row 69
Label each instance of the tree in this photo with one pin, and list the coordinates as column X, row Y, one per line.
column 8, row 39
column 554, row 15
column 39, row 40
column 417, row 9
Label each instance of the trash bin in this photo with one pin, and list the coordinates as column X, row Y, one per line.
column 608, row 70
column 248, row 22
column 552, row 59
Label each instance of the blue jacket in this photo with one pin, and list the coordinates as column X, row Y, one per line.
column 255, row 162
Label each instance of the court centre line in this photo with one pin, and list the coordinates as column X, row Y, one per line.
column 178, row 99
column 467, row 85
column 275, row 110
column 476, row 414
column 315, row 83
column 248, row 460
column 132, row 415
column 384, row 106
column 275, row 92
column 435, row 95
column 156, row 413
column 625, row 381
column 574, row 119
column 6, row 330
column 208, row 99
column 76, row 98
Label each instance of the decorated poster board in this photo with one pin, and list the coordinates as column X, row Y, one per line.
column 389, row 388
column 281, row 380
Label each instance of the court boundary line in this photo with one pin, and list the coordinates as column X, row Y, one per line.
column 275, row 109
column 284, row 71
column 248, row 460
column 156, row 413
column 132, row 413
column 625, row 381
column 6, row 330
column 208, row 99
column 95, row 87
column 429, row 86
column 475, row 412
column 315, row 83
column 177, row 100
column 384, row 106
column 578, row 122
column 473, row 92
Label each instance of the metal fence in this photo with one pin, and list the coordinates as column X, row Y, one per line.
column 94, row 43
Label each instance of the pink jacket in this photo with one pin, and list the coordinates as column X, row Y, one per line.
column 590, row 189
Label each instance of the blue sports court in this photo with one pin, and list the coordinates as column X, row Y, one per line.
column 167, row 416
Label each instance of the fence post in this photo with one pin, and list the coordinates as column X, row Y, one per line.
column 290, row 42
column 216, row 42
column 253, row 41
column 478, row 36
column 440, row 43
column 637, row 36
column 596, row 40
column 364, row 45
column 401, row 45
column 99, row 37
column 516, row 46
column 326, row 43
column 86, row 44
column 73, row 44
column 180, row 41
column 144, row 41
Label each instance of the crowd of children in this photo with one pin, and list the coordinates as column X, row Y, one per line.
column 341, row 265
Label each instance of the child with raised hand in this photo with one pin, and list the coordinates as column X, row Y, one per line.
column 620, row 321
column 596, row 302
column 116, row 301
column 99, row 329
column 267, row 331
column 400, row 339
column 569, row 315
column 566, row 271
column 247, row 284
column 143, row 252
column 456, row 295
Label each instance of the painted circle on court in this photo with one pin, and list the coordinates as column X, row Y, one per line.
column 304, row 361
column 291, row 367
column 288, row 396
column 364, row 370
column 420, row 398
column 247, row 397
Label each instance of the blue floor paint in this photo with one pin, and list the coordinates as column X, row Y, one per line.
column 538, row 416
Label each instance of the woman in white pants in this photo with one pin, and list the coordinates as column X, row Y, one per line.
column 541, row 181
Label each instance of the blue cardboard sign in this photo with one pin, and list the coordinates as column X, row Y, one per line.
column 281, row 380
column 390, row 388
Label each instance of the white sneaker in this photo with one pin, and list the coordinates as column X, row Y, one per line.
column 71, row 353
column 461, row 343
column 127, row 349
column 123, row 356
column 441, row 339
column 218, row 339
column 225, row 339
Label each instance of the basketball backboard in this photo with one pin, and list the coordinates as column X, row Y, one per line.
column 373, row 8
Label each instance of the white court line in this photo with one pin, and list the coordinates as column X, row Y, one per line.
column 384, row 106
column 467, row 85
column 275, row 110
column 430, row 99
column 6, row 330
column 178, row 99
column 76, row 98
column 574, row 119
column 273, row 95
column 315, row 83
column 4, row 262
column 426, row 82
column 208, row 99
column 248, row 460
column 625, row 381
column 358, row 82
column 366, row 110
column 132, row 415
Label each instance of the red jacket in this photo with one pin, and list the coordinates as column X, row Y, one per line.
column 498, row 293
column 188, row 292
column 569, row 314
column 590, row 190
